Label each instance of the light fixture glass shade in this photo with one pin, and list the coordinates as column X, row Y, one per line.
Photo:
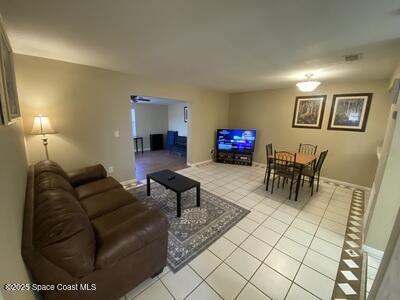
column 308, row 85
column 41, row 125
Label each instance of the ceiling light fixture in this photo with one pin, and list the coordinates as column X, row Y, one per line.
column 308, row 85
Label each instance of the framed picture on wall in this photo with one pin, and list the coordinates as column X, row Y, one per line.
column 309, row 111
column 2, row 111
column 3, row 104
column 185, row 114
column 350, row 112
column 8, row 83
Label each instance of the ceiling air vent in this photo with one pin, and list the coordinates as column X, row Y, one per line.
column 353, row 57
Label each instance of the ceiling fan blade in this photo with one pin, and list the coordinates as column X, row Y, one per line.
column 136, row 99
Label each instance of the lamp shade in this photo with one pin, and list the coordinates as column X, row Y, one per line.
column 41, row 125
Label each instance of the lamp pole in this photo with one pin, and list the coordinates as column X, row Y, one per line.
column 41, row 126
column 45, row 143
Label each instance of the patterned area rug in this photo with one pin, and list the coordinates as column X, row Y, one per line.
column 198, row 227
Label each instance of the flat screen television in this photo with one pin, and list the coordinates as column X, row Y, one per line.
column 236, row 140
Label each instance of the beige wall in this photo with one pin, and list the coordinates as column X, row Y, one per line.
column 150, row 119
column 13, row 172
column 87, row 104
column 387, row 201
column 352, row 155
column 175, row 118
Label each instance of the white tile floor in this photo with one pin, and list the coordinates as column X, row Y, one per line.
column 281, row 250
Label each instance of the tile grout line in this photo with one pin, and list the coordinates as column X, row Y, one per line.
column 273, row 247
column 308, row 248
column 254, row 189
column 262, row 261
column 238, row 246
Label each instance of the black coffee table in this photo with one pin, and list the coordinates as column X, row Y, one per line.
column 175, row 182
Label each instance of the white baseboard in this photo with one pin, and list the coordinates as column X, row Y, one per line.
column 361, row 187
column 373, row 252
column 140, row 150
column 199, row 163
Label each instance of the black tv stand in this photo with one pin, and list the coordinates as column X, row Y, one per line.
column 235, row 158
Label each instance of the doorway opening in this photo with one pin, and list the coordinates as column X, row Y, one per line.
column 160, row 134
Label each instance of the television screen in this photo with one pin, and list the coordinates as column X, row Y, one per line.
column 236, row 140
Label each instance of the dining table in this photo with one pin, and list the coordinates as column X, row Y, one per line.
column 302, row 160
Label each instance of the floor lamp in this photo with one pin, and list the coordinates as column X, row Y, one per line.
column 41, row 126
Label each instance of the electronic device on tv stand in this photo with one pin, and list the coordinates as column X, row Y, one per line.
column 235, row 146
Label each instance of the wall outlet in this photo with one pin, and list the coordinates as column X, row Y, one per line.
column 116, row 133
column 110, row 170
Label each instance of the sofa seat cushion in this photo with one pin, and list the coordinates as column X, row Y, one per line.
column 130, row 236
column 108, row 201
column 96, row 187
column 107, row 222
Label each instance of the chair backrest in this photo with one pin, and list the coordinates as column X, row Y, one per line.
column 284, row 162
column 171, row 138
column 268, row 150
column 321, row 160
column 308, row 149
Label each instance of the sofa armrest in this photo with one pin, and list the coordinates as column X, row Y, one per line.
column 130, row 236
column 86, row 175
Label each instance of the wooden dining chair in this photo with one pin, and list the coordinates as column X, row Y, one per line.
column 284, row 167
column 315, row 172
column 268, row 152
column 308, row 149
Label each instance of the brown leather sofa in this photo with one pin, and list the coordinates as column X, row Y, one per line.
column 83, row 229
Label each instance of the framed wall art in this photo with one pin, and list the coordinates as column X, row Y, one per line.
column 10, row 105
column 185, row 114
column 350, row 112
column 309, row 111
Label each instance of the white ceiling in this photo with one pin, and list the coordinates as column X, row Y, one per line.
column 230, row 45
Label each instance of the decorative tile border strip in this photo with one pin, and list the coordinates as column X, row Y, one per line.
column 350, row 278
column 342, row 185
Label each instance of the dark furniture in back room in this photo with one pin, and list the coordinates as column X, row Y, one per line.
column 176, row 143
column 136, row 139
column 83, row 227
column 156, row 142
column 180, row 146
column 171, row 138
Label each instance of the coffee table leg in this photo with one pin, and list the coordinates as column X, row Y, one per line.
column 178, row 201
column 198, row 195
column 148, row 185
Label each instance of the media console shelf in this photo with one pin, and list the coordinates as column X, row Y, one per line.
column 244, row 159
column 235, row 146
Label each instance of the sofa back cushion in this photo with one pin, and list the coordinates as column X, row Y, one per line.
column 45, row 181
column 49, row 166
column 62, row 231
